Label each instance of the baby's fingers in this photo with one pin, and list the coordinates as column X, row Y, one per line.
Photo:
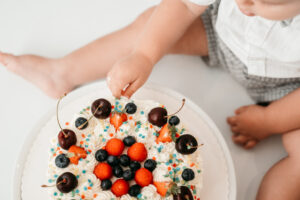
column 116, row 86
column 132, row 88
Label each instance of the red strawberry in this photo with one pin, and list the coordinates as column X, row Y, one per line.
column 117, row 119
column 120, row 187
column 143, row 177
column 76, row 154
column 162, row 187
column 165, row 134
column 137, row 152
column 103, row 171
column 114, row 147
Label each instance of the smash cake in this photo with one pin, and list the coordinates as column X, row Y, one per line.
column 124, row 149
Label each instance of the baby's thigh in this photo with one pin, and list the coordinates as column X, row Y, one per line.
column 291, row 142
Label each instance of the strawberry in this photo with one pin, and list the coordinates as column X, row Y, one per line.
column 162, row 187
column 166, row 134
column 143, row 177
column 137, row 152
column 103, row 171
column 114, row 147
column 76, row 154
column 117, row 119
column 120, row 187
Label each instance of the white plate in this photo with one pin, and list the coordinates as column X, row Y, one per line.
column 219, row 182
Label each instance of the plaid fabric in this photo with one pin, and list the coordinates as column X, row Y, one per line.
column 260, row 89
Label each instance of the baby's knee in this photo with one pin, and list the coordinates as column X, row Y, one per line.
column 291, row 141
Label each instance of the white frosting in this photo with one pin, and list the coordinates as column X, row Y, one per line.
column 95, row 136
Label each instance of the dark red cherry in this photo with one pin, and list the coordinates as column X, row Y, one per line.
column 158, row 116
column 66, row 182
column 66, row 138
column 101, row 108
column 185, row 194
column 186, row 144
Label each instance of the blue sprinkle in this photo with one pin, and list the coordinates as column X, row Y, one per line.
column 89, row 181
column 77, row 176
column 50, row 180
column 85, row 188
column 107, row 127
column 55, row 194
column 91, row 185
column 83, row 171
column 52, row 149
column 77, row 191
column 142, row 112
column 139, row 196
column 117, row 102
column 55, row 176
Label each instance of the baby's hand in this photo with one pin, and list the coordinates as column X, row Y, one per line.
column 129, row 74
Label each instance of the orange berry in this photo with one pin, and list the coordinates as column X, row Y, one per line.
column 78, row 154
column 103, row 171
column 162, row 188
column 120, row 187
column 114, row 147
column 137, row 152
column 164, row 135
column 143, row 177
column 117, row 119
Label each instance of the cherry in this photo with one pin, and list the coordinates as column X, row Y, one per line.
column 186, row 144
column 66, row 182
column 66, row 138
column 101, row 108
column 185, row 194
column 158, row 116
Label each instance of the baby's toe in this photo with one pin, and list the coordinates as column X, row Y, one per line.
column 240, row 110
column 232, row 120
column 250, row 144
column 240, row 139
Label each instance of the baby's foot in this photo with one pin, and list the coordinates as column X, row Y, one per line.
column 48, row 74
column 249, row 125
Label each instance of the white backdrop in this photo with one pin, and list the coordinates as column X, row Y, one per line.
column 55, row 28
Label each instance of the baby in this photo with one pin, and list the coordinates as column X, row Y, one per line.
column 257, row 41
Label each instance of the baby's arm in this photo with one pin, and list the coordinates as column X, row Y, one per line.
column 164, row 28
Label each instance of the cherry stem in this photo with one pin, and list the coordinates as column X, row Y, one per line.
column 82, row 125
column 194, row 147
column 63, row 181
column 183, row 102
column 57, row 109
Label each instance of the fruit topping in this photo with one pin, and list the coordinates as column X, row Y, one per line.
column 66, row 138
column 184, row 194
column 66, row 182
column 101, row 155
column 106, row 184
column 188, row 174
column 124, row 160
column 103, row 171
column 186, row 144
column 150, row 164
column 174, row 120
column 128, row 174
column 120, row 187
column 166, row 134
column 158, row 116
column 129, row 141
column 101, row 108
column 118, row 171
column 162, row 188
column 62, row 161
column 76, row 153
column 134, row 165
column 117, row 119
column 81, row 123
column 112, row 161
column 134, row 190
column 143, row 177
column 114, row 147
column 130, row 108
column 137, row 152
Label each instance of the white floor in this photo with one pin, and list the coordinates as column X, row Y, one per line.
column 54, row 28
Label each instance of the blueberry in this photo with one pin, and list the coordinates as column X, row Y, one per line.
column 134, row 165
column 124, row 160
column 150, row 164
column 62, row 161
column 81, row 123
column 188, row 174
column 112, row 161
column 101, row 155
column 174, row 120
column 106, row 184
column 129, row 140
column 130, row 108
column 128, row 175
column 134, row 190
column 118, row 171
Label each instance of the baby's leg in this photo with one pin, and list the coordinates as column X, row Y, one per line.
column 282, row 182
column 93, row 61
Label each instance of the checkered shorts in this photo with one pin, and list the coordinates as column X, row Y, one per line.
column 260, row 89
